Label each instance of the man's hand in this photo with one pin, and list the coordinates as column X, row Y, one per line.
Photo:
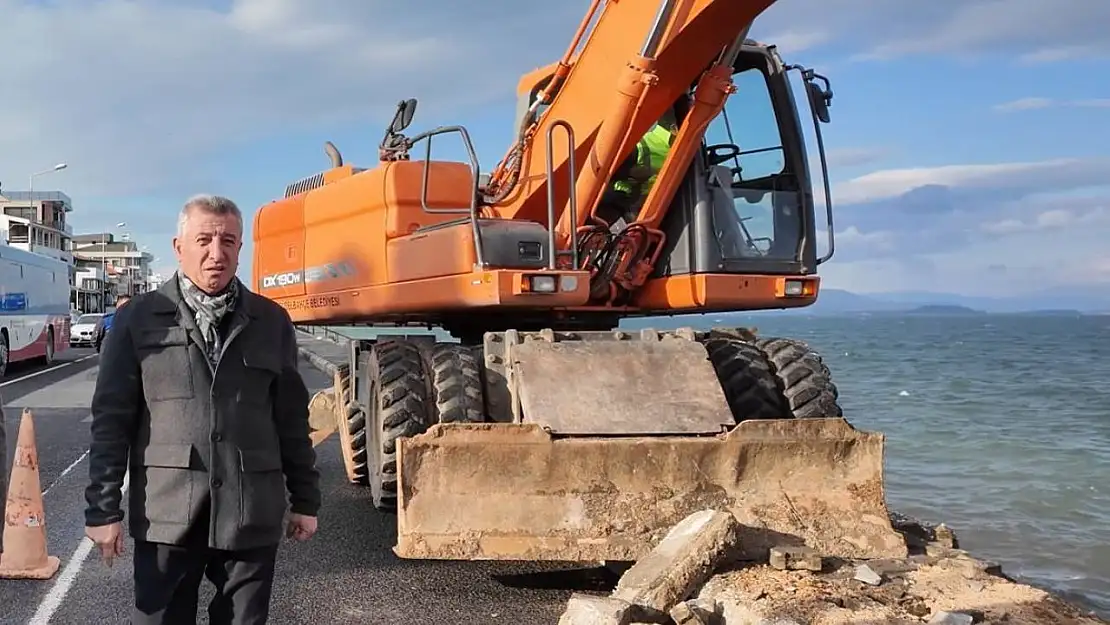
column 109, row 538
column 300, row 527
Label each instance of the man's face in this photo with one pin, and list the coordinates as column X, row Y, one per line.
column 208, row 249
column 121, row 302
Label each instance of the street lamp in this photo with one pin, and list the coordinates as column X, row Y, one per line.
column 31, row 180
column 104, row 266
column 31, row 203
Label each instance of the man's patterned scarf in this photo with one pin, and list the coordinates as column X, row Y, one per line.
column 209, row 311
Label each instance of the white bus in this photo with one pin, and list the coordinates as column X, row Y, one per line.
column 34, row 307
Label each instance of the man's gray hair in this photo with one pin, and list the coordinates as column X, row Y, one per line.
column 213, row 204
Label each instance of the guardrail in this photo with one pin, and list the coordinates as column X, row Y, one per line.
column 324, row 332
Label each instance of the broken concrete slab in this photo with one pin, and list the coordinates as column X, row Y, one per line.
column 695, row 612
column 583, row 609
column 322, row 415
column 973, row 567
column 795, row 559
column 759, row 593
column 951, row 618
column 868, row 575
column 739, row 613
column 910, row 590
column 686, row 557
column 945, row 536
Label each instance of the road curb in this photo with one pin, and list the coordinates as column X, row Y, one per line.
column 318, row 361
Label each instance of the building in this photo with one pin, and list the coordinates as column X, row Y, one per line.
column 89, row 289
column 155, row 280
column 127, row 268
column 36, row 221
column 100, row 266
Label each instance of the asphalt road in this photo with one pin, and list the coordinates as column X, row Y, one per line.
column 345, row 574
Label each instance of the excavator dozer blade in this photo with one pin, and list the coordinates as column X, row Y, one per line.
column 515, row 491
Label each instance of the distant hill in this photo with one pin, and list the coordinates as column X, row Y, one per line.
column 944, row 309
column 1058, row 302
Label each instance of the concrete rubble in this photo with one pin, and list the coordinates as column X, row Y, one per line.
column 693, row 577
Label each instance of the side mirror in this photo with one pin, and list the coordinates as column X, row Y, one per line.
column 819, row 98
column 401, row 120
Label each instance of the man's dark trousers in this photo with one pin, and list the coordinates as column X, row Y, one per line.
column 168, row 577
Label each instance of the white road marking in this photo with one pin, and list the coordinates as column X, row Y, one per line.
column 65, row 472
column 87, row 419
column 54, row 368
column 57, row 594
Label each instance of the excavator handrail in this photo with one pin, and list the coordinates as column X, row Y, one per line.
column 573, row 201
column 475, row 172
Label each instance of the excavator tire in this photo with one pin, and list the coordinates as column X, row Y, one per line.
column 457, row 381
column 352, row 430
column 398, row 401
column 803, row 378
column 358, row 473
column 747, row 379
column 400, row 376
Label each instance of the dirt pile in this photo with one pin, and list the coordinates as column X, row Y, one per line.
column 938, row 584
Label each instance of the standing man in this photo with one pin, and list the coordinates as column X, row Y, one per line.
column 199, row 396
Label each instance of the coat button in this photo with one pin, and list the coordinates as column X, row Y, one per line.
column 216, row 437
column 216, row 483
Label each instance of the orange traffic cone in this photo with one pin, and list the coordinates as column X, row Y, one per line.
column 25, row 554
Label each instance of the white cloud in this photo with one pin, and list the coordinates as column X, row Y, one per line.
column 854, row 157
column 1024, row 104
column 1033, row 31
column 961, row 228
column 792, row 42
column 1036, row 30
column 1100, row 266
column 873, row 242
column 1029, row 104
column 1028, row 177
column 1064, row 53
column 138, row 94
column 1052, row 219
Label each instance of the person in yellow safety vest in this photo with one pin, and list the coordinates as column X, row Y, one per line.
column 636, row 176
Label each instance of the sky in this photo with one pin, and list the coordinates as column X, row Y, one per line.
column 969, row 148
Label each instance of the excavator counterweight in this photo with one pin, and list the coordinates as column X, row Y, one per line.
column 658, row 168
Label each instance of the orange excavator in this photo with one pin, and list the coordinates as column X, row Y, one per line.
column 658, row 168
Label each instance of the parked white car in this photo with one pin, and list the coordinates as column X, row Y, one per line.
column 83, row 331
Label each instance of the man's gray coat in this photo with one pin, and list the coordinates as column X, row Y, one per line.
column 236, row 438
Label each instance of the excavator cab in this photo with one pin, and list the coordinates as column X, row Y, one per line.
column 746, row 205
